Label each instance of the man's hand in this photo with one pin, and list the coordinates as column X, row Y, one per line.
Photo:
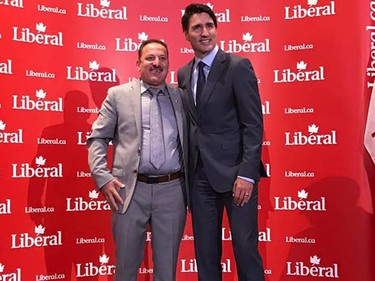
column 110, row 193
column 242, row 191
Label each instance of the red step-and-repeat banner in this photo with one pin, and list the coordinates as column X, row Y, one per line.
column 315, row 61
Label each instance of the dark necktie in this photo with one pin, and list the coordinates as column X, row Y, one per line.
column 157, row 156
column 200, row 83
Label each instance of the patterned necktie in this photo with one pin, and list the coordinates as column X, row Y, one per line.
column 157, row 150
column 200, row 83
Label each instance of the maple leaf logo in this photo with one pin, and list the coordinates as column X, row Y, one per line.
column 2, row 125
column 103, row 259
column 94, row 65
column 313, row 129
column 105, row 3
column 93, row 194
column 40, row 161
column 40, row 94
column 312, row 2
column 210, row 5
column 39, row 229
column 301, row 65
column 143, row 36
column 40, row 27
column 247, row 37
column 302, row 194
column 1, row 267
column 315, row 260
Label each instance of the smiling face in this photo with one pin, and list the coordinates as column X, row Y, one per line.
column 153, row 64
column 201, row 34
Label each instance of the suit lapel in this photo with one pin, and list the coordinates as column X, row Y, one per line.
column 135, row 101
column 216, row 70
column 190, row 96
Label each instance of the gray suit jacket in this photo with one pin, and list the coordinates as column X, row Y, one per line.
column 227, row 131
column 120, row 121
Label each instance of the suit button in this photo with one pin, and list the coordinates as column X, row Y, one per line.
column 135, row 171
column 139, row 150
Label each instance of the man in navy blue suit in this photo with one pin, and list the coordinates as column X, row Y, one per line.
column 226, row 131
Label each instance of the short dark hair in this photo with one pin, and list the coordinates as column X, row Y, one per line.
column 149, row 41
column 195, row 8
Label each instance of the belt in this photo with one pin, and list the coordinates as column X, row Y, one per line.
column 159, row 179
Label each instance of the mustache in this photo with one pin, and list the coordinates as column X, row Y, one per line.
column 157, row 68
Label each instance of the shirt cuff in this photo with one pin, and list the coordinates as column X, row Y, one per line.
column 246, row 179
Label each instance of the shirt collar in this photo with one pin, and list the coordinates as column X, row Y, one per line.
column 145, row 86
column 208, row 59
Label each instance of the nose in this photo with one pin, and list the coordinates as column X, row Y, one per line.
column 205, row 31
column 156, row 61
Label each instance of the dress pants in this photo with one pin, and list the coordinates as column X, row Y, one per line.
column 162, row 207
column 207, row 215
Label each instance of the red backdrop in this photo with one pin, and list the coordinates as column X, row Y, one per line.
column 315, row 62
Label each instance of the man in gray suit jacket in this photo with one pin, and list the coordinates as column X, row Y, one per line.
column 146, row 185
column 226, row 131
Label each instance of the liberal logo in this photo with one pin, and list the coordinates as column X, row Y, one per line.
column 90, row 11
column 314, row 269
column 259, row 18
column 299, row 138
column 302, row 204
column 11, row 276
column 56, row 10
column 89, row 269
column 24, row 170
column 294, row 174
column 40, row 37
column 248, row 45
column 128, row 45
column 96, row 46
column 299, row 12
column 94, row 74
column 302, row 110
column 302, row 75
column 39, row 104
column 191, row 265
column 25, row 240
column 80, row 205
column 10, row 137
column 263, row 236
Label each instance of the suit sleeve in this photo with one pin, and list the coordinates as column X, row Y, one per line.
column 103, row 131
column 250, row 111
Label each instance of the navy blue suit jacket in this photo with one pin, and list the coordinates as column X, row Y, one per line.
column 227, row 130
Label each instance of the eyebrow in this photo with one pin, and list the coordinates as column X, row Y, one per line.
column 210, row 23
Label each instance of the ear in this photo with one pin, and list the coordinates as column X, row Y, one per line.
column 187, row 36
column 138, row 64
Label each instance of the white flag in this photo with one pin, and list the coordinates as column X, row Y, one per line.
column 370, row 127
